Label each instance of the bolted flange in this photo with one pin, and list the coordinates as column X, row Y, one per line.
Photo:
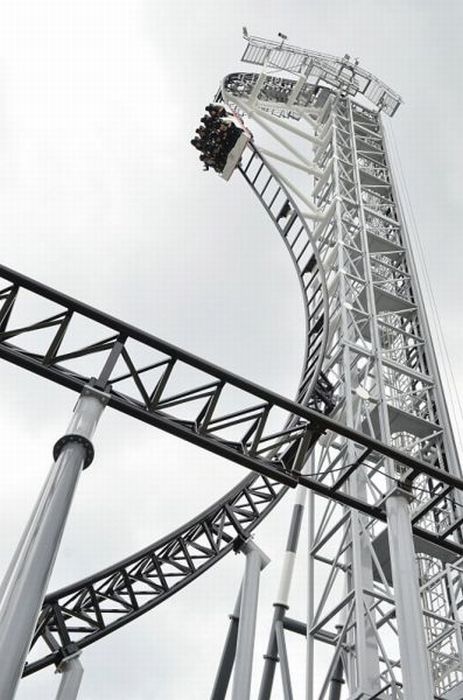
column 75, row 438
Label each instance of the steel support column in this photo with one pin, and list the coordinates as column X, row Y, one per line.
column 309, row 669
column 256, row 560
column 72, row 671
column 416, row 672
column 224, row 671
column 25, row 583
column 336, row 681
column 282, row 601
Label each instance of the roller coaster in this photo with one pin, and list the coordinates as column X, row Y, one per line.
column 368, row 434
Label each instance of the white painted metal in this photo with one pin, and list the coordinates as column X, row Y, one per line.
column 234, row 156
column 24, row 586
column 381, row 362
column 255, row 561
column 289, row 557
column 72, row 672
column 416, row 671
column 309, row 675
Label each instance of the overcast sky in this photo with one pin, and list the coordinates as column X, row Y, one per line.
column 103, row 198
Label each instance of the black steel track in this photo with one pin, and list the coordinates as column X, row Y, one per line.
column 84, row 612
column 182, row 394
column 297, row 236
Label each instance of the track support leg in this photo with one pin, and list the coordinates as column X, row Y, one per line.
column 224, row 671
column 337, row 681
column 72, row 672
column 256, row 560
column 416, row 671
column 24, row 586
column 283, row 654
column 281, row 605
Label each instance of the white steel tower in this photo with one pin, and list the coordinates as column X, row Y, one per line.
column 368, row 436
column 387, row 602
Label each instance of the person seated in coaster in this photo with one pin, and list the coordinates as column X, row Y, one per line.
column 216, row 110
column 197, row 143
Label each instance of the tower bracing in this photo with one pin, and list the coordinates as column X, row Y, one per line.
column 366, row 445
column 385, row 601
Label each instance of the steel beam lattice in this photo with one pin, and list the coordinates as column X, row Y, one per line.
column 368, row 434
column 321, row 121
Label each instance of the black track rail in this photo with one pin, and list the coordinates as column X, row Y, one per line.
column 84, row 612
column 202, row 404
column 297, row 236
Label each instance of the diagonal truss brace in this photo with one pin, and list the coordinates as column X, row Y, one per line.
column 255, row 443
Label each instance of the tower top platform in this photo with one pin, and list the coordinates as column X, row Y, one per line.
column 341, row 73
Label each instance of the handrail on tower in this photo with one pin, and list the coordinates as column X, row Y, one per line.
column 343, row 73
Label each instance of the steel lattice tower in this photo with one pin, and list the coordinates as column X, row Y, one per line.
column 368, row 437
column 389, row 605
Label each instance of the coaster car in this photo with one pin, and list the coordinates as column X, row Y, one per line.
column 221, row 139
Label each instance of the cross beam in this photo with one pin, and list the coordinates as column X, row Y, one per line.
column 227, row 415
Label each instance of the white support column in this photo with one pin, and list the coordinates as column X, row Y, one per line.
column 24, row 586
column 281, row 603
column 363, row 675
column 256, row 560
column 72, row 672
column 415, row 664
column 309, row 674
column 227, row 660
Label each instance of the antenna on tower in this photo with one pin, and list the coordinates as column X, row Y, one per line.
column 283, row 38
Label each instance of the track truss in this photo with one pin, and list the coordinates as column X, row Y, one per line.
column 277, row 454
column 190, row 397
column 344, row 234
column 79, row 614
column 293, row 228
column 88, row 610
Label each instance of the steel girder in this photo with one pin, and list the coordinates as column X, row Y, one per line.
column 242, row 427
column 84, row 612
column 381, row 354
column 234, row 427
column 277, row 454
column 379, row 359
column 240, row 510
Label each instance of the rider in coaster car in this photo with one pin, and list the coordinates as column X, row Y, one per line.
column 207, row 161
column 216, row 110
column 231, row 132
column 215, row 137
column 207, row 121
column 197, row 143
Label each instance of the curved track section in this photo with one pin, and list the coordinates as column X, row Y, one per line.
column 297, row 237
column 88, row 610
column 84, row 612
column 273, row 92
